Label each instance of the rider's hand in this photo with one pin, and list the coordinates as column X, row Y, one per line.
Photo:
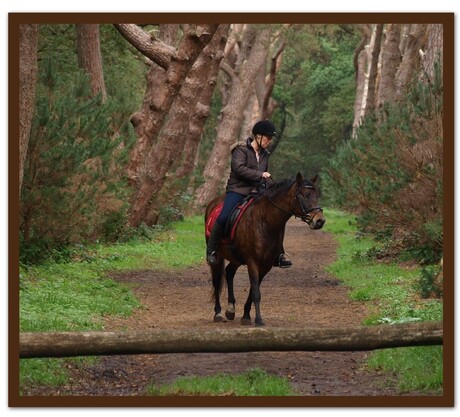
column 266, row 175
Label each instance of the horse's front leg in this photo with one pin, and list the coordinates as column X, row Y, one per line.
column 230, row 271
column 256, row 297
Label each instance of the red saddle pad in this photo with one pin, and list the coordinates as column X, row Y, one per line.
column 212, row 218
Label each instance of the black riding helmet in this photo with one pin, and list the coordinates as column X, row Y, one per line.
column 264, row 127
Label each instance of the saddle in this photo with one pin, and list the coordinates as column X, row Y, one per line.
column 233, row 218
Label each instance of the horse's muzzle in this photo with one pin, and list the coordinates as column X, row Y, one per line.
column 318, row 220
column 318, row 224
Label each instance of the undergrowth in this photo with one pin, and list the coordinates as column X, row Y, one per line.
column 392, row 294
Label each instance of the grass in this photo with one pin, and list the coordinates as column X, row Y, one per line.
column 77, row 295
column 391, row 292
column 253, row 382
column 181, row 246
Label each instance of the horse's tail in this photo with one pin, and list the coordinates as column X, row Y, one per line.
column 218, row 281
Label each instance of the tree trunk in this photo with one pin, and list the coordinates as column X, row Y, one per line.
column 374, row 70
column 268, row 104
column 90, row 59
column 243, row 78
column 410, row 63
column 360, row 64
column 159, row 53
column 260, row 105
column 200, row 83
column 434, row 50
column 28, row 47
column 391, row 58
column 66, row 344
column 158, row 116
column 206, row 72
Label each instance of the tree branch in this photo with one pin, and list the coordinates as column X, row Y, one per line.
column 152, row 48
column 227, row 69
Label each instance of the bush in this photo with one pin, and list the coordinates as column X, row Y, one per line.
column 75, row 187
column 430, row 282
column 391, row 174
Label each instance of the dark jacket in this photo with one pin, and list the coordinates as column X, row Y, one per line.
column 246, row 171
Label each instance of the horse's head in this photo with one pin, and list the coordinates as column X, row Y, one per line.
column 307, row 206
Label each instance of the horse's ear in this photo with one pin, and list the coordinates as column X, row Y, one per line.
column 314, row 179
column 299, row 179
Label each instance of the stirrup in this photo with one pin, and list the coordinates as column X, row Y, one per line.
column 283, row 262
column 211, row 258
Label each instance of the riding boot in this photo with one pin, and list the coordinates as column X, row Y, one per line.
column 213, row 243
column 283, row 262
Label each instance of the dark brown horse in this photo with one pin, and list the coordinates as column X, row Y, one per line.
column 258, row 239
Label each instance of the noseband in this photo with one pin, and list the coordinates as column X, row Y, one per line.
column 306, row 212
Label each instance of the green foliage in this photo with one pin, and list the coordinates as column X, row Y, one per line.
column 391, row 174
column 392, row 295
column 74, row 181
column 428, row 284
column 315, row 95
column 253, row 382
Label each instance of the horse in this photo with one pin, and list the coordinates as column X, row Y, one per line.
column 258, row 239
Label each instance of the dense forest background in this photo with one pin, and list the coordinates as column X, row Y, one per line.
column 127, row 127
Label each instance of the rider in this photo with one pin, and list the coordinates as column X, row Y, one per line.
column 248, row 167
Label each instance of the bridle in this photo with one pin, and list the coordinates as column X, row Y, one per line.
column 307, row 217
column 306, row 212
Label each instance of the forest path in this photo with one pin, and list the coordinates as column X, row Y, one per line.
column 301, row 296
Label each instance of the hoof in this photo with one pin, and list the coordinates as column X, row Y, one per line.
column 230, row 315
column 246, row 322
column 260, row 324
column 219, row 318
column 230, row 312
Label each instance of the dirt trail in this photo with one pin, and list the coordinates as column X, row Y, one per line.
column 301, row 296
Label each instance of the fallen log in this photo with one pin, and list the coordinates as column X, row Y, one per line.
column 64, row 344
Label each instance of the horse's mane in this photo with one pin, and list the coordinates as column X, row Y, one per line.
column 283, row 186
column 280, row 186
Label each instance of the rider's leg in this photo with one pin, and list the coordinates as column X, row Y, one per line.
column 231, row 200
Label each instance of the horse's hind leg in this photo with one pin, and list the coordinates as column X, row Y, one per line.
column 230, row 271
column 217, row 272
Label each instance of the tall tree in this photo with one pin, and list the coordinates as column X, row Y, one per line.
column 261, row 104
column 203, row 76
column 28, row 46
column 157, row 135
column 181, row 133
column 386, row 71
column 89, row 57
column 411, row 42
column 360, row 61
column 434, row 50
column 374, row 69
column 391, row 59
column 252, row 56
